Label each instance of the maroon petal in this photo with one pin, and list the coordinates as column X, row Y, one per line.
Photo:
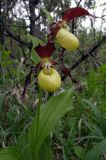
column 54, row 28
column 73, row 13
column 45, row 51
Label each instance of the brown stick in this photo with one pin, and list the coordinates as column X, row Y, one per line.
column 79, row 3
column 89, row 52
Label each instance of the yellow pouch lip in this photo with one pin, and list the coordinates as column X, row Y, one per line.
column 67, row 40
column 49, row 82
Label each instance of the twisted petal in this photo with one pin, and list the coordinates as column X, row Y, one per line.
column 45, row 51
column 73, row 13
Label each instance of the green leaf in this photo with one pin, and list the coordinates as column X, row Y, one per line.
column 95, row 152
column 34, row 57
column 35, row 41
column 63, row 148
column 46, row 152
column 50, row 114
column 99, row 117
column 22, row 145
column 10, row 154
column 102, row 71
column 6, row 53
column 95, row 110
column 79, row 151
column 49, row 17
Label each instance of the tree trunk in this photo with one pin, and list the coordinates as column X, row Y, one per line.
column 1, row 26
column 32, row 5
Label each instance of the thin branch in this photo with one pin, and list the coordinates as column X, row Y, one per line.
column 79, row 3
column 73, row 26
column 16, row 26
column 88, row 53
column 92, row 57
column 17, row 38
column 80, row 52
column 73, row 22
column 97, row 64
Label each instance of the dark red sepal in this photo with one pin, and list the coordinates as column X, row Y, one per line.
column 54, row 28
column 73, row 13
column 45, row 51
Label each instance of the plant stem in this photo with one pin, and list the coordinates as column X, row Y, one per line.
column 38, row 112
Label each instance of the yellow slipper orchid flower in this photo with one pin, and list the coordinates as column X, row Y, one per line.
column 67, row 40
column 49, row 79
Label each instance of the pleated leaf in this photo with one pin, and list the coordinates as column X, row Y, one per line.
column 35, row 57
column 46, row 152
column 50, row 114
column 10, row 154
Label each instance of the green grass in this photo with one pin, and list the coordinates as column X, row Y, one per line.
column 76, row 136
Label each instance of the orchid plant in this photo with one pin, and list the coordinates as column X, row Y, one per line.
column 48, row 78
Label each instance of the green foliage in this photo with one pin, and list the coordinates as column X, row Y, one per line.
column 99, row 116
column 81, row 133
column 102, row 72
column 5, row 57
column 79, row 151
column 95, row 152
column 10, row 154
column 46, row 152
column 34, row 57
column 50, row 114
column 34, row 40
column 49, row 17
column 84, row 124
column 1, row 103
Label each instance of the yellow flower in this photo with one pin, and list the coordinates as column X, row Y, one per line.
column 67, row 40
column 49, row 79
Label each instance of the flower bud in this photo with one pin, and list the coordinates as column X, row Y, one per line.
column 67, row 40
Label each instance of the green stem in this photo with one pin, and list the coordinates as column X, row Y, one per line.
column 37, row 125
column 38, row 112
